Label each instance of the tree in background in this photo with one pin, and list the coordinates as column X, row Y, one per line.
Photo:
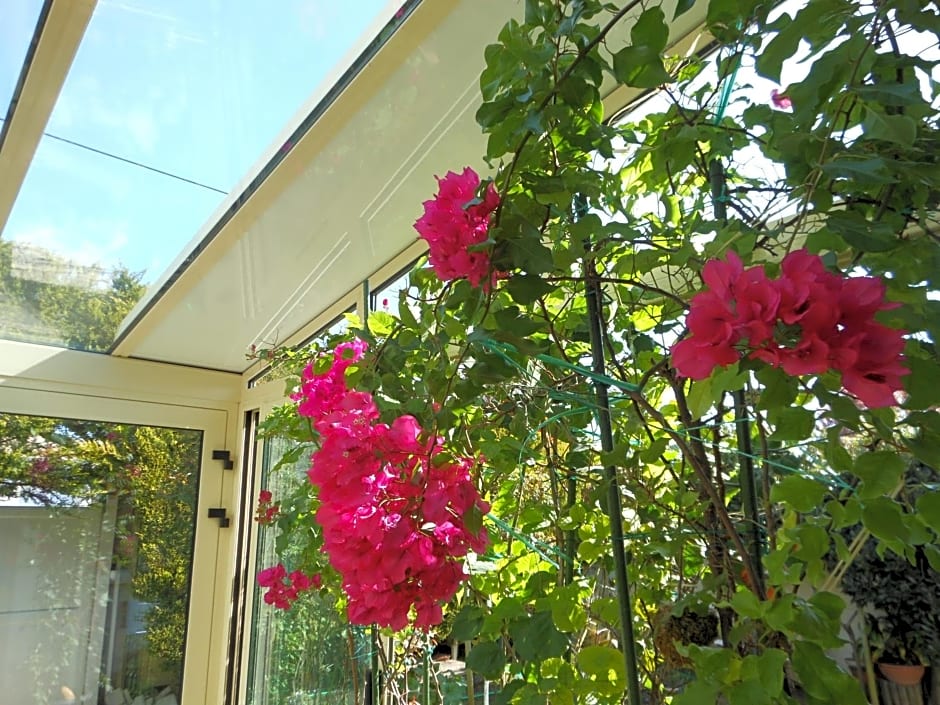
column 152, row 472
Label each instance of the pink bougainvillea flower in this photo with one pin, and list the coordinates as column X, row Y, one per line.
column 272, row 576
column 267, row 509
column 780, row 101
column 875, row 373
column 284, row 589
column 394, row 511
column 456, row 225
column 697, row 361
column 807, row 321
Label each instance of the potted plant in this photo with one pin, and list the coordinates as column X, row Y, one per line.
column 896, row 654
column 900, row 601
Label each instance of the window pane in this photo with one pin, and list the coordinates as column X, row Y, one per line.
column 96, row 539
column 392, row 294
column 307, row 655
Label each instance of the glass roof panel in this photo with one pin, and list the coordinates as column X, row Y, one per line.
column 16, row 32
column 167, row 106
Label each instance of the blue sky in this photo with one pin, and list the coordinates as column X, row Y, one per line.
column 198, row 88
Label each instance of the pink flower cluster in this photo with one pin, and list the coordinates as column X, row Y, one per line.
column 393, row 506
column 284, row 589
column 267, row 509
column 456, row 221
column 807, row 321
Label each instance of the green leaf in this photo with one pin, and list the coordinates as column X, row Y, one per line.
column 822, row 679
column 651, row 30
column 640, row 66
column 792, row 423
column 867, row 170
column 780, row 389
column 748, row 692
column 925, row 448
column 779, row 49
column 928, row 507
column 863, row 234
column 682, row 6
column 536, row 638
column 801, row 493
column 836, row 454
column 813, row 541
column 487, row 659
column 880, row 472
column 933, row 556
column 697, row 692
column 770, row 670
column 699, row 398
column 526, row 289
column 381, row 323
column 884, row 519
column 605, row 668
column 567, row 611
column 899, row 129
column 923, row 384
column 467, row 623
column 746, row 604
column 532, row 256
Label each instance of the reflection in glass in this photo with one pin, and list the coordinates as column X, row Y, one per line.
column 50, row 299
column 96, row 538
column 395, row 293
column 307, row 655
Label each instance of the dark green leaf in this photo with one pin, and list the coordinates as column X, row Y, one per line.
column 682, row 6
column 926, row 448
column 923, row 384
column 651, row 30
column 801, row 493
column 467, row 623
column 770, row 670
column 883, row 518
column 866, row 170
column 880, row 471
column 640, row 66
column 792, row 423
column 780, row 389
column 899, row 129
column 863, row 234
column 535, row 638
column 527, row 289
column 487, row 659
column 779, row 49
column 928, row 507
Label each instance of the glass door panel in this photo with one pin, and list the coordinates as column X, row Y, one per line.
column 97, row 526
column 307, row 655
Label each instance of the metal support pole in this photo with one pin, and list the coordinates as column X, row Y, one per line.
column 614, row 508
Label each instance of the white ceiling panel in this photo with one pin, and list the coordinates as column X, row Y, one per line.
column 342, row 202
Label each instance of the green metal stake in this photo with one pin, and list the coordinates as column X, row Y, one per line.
column 426, row 682
column 614, row 508
column 375, row 690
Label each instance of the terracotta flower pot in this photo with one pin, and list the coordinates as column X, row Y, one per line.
column 901, row 674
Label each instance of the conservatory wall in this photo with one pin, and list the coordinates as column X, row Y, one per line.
column 61, row 567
